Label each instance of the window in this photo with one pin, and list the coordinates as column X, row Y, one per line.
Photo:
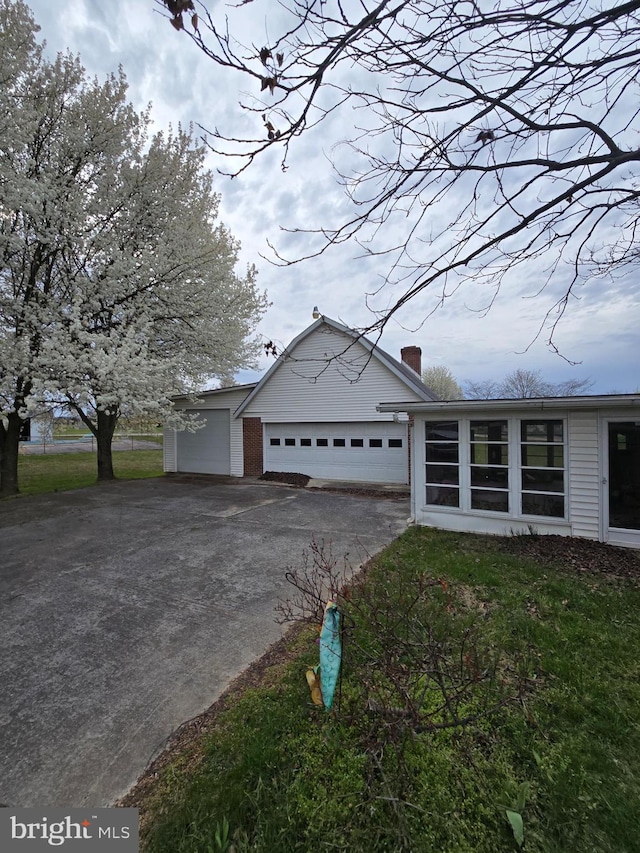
column 274, row 442
column 512, row 466
column 375, row 442
column 289, row 442
column 339, row 442
column 542, row 467
column 395, row 442
column 322, row 442
column 357, row 442
column 442, row 463
column 489, row 465
column 305, row 442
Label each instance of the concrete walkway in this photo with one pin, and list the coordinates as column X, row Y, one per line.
column 126, row 609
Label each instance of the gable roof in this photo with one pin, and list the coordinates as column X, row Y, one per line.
column 200, row 395
column 408, row 376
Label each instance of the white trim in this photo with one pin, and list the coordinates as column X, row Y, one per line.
column 585, row 438
column 624, row 538
column 169, row 451
column 514, row 468
column 603, row 471
column 443, row 407
column 197, row 399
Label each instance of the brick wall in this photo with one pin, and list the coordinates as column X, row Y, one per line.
column 252, row 446
column 412, row 357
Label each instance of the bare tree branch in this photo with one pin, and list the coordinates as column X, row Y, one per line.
column 488, row 136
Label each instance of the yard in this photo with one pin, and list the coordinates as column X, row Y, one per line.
column 490, row 701
column 57, row 472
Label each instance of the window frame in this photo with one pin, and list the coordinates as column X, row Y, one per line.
column 551, row 469
column 477, row 490
column 514, row 466
column 441, row 491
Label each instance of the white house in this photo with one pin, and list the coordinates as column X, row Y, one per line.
column 314, row 412
column 564, row 465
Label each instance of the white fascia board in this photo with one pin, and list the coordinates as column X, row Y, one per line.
column 609, row 401
column 201, row 395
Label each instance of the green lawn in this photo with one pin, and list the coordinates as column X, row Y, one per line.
column 542, row 662
column 57, row 472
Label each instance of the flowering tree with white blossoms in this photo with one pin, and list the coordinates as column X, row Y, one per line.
column 117, row 285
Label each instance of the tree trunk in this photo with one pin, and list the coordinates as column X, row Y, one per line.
column 106, row 425
column 9, row 444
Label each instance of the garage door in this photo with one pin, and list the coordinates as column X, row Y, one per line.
column 206, row 451
column 369, row 452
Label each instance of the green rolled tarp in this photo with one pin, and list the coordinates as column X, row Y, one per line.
column 330, row 653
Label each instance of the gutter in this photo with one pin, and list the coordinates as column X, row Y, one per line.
column 612, row 401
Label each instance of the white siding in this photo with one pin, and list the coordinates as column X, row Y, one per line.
column 586, row 466
column 236, row 462
column 584, row 475
column 328, row 377
column 169, row 454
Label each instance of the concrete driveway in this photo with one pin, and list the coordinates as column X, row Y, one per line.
column 127, row 609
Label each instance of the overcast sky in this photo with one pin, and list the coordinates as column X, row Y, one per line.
column 163, row 67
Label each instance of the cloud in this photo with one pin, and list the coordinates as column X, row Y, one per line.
column 165, row 67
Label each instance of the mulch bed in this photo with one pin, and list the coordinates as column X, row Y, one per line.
column 300, row 480
column 574, row 554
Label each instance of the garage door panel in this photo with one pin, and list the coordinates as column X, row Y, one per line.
column 368, row 452
column 208, row 450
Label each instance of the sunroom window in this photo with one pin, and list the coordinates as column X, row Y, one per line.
column 542, row 467
column 442, row 463
column 510, row 466
column 489, row 462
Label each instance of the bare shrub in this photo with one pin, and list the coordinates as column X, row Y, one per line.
column 414, row 655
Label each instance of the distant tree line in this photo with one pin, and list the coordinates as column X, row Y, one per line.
column 516, row 385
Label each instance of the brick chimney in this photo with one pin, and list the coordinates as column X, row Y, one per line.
column 412, row 357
